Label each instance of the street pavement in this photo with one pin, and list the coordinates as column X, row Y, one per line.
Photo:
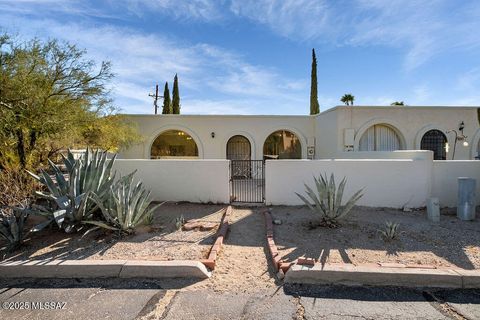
column 176, row 299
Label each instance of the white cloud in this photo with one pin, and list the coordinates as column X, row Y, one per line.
column 422, row 29
column 140, row 60
column 301, row 19
column 470, row 80
column 421, row 95
column 204, row 10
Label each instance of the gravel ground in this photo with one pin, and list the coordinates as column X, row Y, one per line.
column 242, row 265
column 160, row 242
column 449, row 243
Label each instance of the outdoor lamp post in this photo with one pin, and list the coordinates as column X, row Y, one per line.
column 458, row 137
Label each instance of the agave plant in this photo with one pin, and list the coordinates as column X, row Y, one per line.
column 125, row 207
column 327, row 200
column 390, row 231
column 90, row 174
column 179, row 222
column 12, row 228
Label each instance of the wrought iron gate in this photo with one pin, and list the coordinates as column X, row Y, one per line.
column 247, row 181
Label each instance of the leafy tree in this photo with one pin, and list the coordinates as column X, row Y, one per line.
column 167, row 104
column 397, row 103
column 51, row 98
column 314, row 106
column 348, row 99
column 175, row 97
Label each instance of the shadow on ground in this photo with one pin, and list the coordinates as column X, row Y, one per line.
column 445, row 243
column 366, row 293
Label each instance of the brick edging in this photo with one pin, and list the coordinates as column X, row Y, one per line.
column 306, row 270
column 210, row 262
column 279, row 265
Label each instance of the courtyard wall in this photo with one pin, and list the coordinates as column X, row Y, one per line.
column 181, row 180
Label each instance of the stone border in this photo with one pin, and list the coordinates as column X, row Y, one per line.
column 119, row 268
column 103, row 269
column 307, row 270
column 210, row 262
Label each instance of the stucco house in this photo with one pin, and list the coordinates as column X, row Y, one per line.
column 338, row 133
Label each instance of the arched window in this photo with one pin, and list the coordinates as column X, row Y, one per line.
column 238, row 148
column 435, row 141
column 282, row 144
column 380, row 137
column 173, row 143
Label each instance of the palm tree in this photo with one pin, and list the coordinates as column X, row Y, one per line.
column 348, row 99
column 397, row 103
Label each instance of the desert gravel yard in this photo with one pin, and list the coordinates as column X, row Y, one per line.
column 449, row 243
column 160, row 241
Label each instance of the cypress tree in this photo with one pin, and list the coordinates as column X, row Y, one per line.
column 314, row 106
column 167, row 105
column 175, row 97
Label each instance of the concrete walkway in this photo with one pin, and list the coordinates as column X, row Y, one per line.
column 147, row 299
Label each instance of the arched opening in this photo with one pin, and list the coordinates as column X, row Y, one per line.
column 173, row 144
column 238, row 148
column 380, row 137
column 477, row 156
column 435, row 141
column 282, row 144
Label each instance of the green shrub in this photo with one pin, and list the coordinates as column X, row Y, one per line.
column 327, row 200
column 125, row 207
column 89, row 175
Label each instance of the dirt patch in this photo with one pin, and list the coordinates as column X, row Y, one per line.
column 160, row 242
column 242, row 264
column 449, row 243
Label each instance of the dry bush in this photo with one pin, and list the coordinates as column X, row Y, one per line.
column 16, row 187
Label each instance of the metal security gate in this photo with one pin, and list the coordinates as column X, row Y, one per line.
column 247, row 181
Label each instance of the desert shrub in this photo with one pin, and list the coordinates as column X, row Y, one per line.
column 71, row 193
column 390, row 231
column 16, row 187
column 126, row 205
column 327, row 200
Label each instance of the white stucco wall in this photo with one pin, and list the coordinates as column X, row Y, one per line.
column 444, row 180
column 200, row 127
column 326, row 129
column 399, row 154
column 388, row 183
column 412, row 122
column 181, row 180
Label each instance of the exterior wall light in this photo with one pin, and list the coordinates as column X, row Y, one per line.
column 458, row 137
column 212, row 134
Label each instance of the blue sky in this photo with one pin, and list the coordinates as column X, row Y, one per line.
column 254, row 57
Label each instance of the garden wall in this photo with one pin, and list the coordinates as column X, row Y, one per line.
column 388, row 182
column 445, row 175
column 181, row 180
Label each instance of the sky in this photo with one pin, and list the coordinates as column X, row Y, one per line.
column 254, row 56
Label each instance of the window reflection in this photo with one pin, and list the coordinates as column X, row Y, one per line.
column 174, row 143
column 282, row 144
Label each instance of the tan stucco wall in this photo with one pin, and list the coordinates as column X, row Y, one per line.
column 326, row 129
